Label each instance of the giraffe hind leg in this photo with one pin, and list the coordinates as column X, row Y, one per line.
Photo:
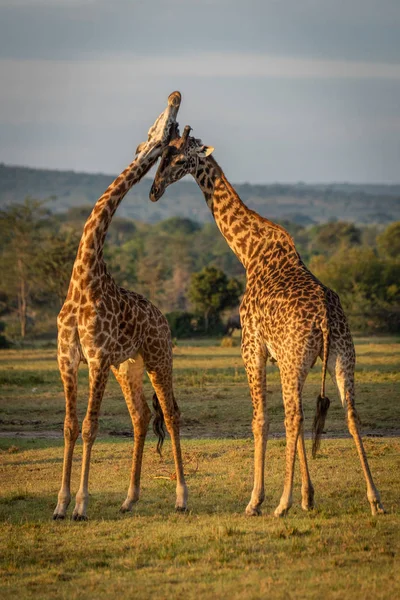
column 342, row 373
column 161, row 381
column 292, row 384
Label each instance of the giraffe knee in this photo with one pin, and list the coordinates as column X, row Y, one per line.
column 352, row 420
column 172, row 421
column 260, row 425
column 71, row 430
column 89, row 430
column 146, row 418
column 294, row 420
column 141, row 422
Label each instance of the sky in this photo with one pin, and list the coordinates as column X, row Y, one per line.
column 285, row 90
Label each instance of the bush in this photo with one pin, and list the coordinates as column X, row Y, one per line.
column 229, row 342
column 186, row 325
column 4, row 342
column 182, row 324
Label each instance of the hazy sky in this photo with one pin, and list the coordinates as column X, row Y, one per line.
column 285, row 90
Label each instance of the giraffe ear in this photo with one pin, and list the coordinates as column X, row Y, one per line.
column 204, row 151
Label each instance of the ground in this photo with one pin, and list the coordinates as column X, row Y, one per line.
column 338, row 550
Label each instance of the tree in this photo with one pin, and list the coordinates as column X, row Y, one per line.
column 54, row 266
column 121, row 231
column 211, row 292
column 368, row 287
column 332, row 236
column 389, row 241
column 178, row 225
column 20, row 231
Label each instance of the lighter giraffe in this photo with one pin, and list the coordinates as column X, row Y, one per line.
column 286, row 315
column 109, row 327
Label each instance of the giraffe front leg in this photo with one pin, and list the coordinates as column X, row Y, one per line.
column 68, row 366
column 130, row 377
column 255, row 364
column 98, row 375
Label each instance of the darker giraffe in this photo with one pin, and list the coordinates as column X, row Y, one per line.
column 109, row 327
column 286, row 315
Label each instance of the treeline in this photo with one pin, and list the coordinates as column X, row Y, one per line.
column 301, row 203
column 185, row 268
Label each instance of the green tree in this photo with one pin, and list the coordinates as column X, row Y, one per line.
column 52, row 269
column 178, row 225
column 21, row 227
column 389, row 241
column 121, row 231
column 211, row 292
column 367, row 284
column 330, row 237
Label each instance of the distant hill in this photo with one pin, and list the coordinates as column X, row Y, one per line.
column 301, row 203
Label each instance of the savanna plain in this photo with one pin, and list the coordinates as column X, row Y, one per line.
column 336, row 551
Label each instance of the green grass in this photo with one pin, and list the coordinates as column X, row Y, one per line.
column 211, row 389
column 337, row 551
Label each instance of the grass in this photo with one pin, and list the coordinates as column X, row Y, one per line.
column 211, row 389
column 336, row 551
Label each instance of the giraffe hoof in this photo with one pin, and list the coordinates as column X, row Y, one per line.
column 58, row 517
column 125, row 509
column 377, row 508
column 181, row 509
column 77, row 517
column 281, row 512
column 253, row 511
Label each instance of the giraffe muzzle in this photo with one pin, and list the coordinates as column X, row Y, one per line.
column 174, row 100
column 161, row 132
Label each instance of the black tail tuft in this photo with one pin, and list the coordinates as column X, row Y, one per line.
column 158, row 423
column 323, row 404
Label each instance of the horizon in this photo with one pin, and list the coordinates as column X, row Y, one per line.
column 188, row 178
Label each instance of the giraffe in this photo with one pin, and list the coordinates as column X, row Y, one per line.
column 287, row 315
column 110, row 328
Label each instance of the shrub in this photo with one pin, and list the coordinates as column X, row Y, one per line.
column 229, row 342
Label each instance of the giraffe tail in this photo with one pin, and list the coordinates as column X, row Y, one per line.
column 323, row 401
column 158, row 423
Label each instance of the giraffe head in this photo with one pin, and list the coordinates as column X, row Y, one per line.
column 161, row 131
column 181, row 157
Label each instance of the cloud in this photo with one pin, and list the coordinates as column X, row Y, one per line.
column 61, row 91
column 308, row 119
column 213, row 64
column 360, row 30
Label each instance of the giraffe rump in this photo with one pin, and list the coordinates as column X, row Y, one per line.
column 158, row 423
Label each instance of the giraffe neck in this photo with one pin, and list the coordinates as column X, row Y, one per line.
column 90, row 252
column 250, row 236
